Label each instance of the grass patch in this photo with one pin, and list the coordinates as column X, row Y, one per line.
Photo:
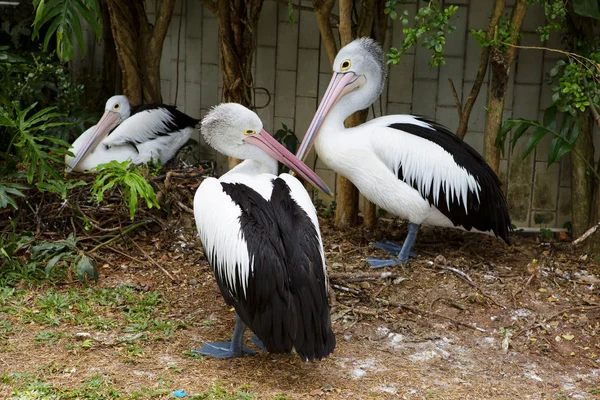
column 47, row 337
column 26, row 386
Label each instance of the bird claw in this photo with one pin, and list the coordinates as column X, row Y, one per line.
column 258, row 343
column 377, row 263
column 388, row 246
column 222, row 350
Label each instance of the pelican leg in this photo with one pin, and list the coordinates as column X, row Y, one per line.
column 404, row 252
column 232, row 349
column 258, row 343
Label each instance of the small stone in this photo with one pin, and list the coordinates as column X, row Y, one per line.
column 193, row 282
column 83, row 336
column 440, row 259
column 399, row 280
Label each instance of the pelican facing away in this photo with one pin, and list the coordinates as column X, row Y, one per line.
column 140, row 134
column 261, row 237
column 407, row 165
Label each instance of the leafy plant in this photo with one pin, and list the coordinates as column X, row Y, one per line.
column 61, row 187
column 563, row 140
column 287, row 138
column 9, row 190
column 38, row 151
column 431, row 28
column 64, row 19
column 127, row 176
column 505, row 33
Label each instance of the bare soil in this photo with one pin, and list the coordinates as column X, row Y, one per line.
column 471, row 318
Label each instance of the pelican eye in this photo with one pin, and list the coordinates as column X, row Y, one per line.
column 116, row 106
column 249, row 132
column 345, row 65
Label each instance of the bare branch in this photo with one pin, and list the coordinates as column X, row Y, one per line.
column 456, row 99
column 481, row 71
column 211, row 5
column 322, row 9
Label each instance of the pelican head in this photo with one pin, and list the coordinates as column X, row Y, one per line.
column 117, row 110
column 359, row 73
column 235, row 131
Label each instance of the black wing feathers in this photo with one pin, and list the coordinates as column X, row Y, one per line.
column 286, row 300
column 487, row 213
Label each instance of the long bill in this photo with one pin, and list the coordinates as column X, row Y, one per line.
column 109, row 120
column 272, row 147
column 340, row 84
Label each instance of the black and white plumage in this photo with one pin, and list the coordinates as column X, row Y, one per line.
column 260, row 234
column 140, row 134
column 407, row 165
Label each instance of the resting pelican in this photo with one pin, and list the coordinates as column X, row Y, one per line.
column 139, row 134
column 261, row 237
column 407, row 165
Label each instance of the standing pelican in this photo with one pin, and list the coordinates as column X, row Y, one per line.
column 139, row 134
column 407, row 165
column 261, row 237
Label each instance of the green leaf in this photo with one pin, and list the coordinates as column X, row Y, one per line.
column 51, row 263
column 521, row 128
column 85, row 268
column 549, row 119
column 587, row 8
column 534, row 140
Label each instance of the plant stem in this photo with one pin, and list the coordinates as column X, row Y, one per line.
column 124, row 232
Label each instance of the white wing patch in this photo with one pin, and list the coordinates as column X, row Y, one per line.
column 140, row 127
column 301, row 197
column 414, row 154
column 216, row 230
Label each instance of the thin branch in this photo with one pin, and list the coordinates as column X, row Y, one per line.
column 587, row 234
column 415, row 310
column 456, row 99
column 481, row 71
column 154, row 262
column 211, row 5
column 465, row 277
column 121, row 234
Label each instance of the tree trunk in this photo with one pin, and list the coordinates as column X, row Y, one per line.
column 322, row 12
column 110, row 61
column 237, row 21
column 139, row 47
column 464, row 114
column 582, row 182
column 500, row 62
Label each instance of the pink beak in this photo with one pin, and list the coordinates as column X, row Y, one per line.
column 340, row 84
column 109, row 120
column 273, row 148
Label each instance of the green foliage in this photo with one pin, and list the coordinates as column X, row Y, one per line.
column 22, row 258
column 587, row 8
column 63, row 17
column 9, row 190
column 36, row 150
column 288, row 139
column 575, row 83
column 60, row 187
column 432, row 25
column 563, row 140
column 291, row 12
column 127, row 177
column 556, row 13
column 505, row 33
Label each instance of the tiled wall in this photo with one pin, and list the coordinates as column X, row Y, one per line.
column 292, row 66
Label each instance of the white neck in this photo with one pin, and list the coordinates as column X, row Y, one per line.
column 267, row 165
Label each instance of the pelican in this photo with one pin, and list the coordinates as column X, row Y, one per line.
column 406, row 164
column 261, row 237
column 139, row 133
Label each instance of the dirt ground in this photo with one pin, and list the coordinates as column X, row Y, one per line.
column 472, row 318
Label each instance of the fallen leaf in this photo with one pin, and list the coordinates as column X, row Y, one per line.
column 552, row 299
column 564, row 237
column 572, row 353
column 568, row 337
column 542, row 290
